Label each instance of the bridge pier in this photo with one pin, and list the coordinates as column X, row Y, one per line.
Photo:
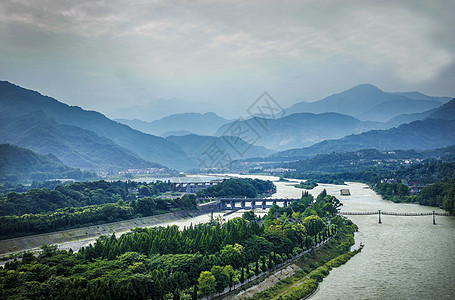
column 285, row 203
column 434, row 220
column 253, row 204
column 242, row 204
column 232, row 204
column 379, row 216
column 264, row 204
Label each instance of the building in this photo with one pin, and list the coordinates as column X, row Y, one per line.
column 345, row 192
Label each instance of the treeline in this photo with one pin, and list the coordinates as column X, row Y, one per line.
column 77, row 194
column 73, row 217
column 440, row 194
column 168, row 263
column 430, row 173
column 427, row 172
column 239, row 188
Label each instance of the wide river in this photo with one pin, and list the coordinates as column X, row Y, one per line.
column 402, row 258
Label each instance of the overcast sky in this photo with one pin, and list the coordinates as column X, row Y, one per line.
column 164, row 57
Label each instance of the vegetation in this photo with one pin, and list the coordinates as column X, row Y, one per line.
column 20, row 164
column 433, row 177
column 77, row 194
column 158, row 263
column 308, row 184
column 40, row 210
column 71, row 217
column 440, row 194
column 303, row 284
column 239, row 188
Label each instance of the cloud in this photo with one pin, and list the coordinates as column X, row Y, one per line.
column 193, row 50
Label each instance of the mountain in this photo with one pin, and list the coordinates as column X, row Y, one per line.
column 196, row 146
column 20, row 164
column 390, row 109
column 418, row 135
column 407, row 118
column 200, row 124
column 16, row 101
column 367, row 102
column 176, row 133
column 420, row 96
column 296, row 130
column 445, row 112
column 73, row 145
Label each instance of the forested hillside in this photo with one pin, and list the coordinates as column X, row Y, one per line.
column 20, row 164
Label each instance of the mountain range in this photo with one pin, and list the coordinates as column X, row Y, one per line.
column 437, row 130
column 189, row 123
column 297, row 130
column 197, row 147
column 81, row 138
column 369, row 103
column 89, row 140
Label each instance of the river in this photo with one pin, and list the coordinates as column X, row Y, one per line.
column 402, row 258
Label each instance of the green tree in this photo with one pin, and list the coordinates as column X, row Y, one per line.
column 206, row 284
column 313, row 224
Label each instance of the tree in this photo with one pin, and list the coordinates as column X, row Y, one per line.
column 313, row 224
column 221, row 277
column 249, row 215
column 206, row 283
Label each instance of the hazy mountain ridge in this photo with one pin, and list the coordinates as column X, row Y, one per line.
column 16, row 101
column 196, row 123
column 366, row 102
column 418, row 135
column 446, row 112
column 18, row 164
column 195, row 146
column 298, row 130
column 73, row 145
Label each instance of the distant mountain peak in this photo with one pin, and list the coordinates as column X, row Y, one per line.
column 362, row 90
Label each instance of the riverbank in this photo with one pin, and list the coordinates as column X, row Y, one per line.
column 309, row 270
column 78, row 237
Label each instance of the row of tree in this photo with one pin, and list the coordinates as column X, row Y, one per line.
column 71, row 217
column 77, row 194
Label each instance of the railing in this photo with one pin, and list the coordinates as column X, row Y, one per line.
column 393, row 213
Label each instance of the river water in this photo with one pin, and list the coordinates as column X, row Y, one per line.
column 402, row 258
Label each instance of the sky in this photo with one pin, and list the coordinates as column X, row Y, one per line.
column 147, row 59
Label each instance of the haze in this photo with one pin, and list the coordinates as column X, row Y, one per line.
column 148, row 59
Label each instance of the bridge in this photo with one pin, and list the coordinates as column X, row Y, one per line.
column 251, row 203
column 379, row 213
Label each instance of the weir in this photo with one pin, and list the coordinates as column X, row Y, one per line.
column 251, row 203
